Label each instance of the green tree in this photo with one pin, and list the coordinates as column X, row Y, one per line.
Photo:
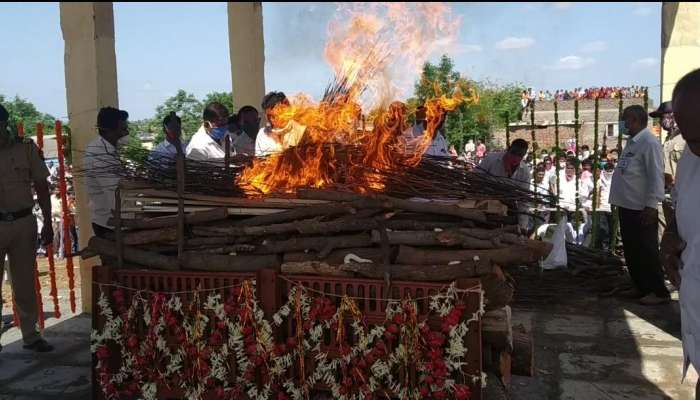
column 187, row 107
column 24, row 111
column 225, row 98
column 468, row 121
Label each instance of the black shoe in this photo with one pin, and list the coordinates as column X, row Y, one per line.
column 40, row 346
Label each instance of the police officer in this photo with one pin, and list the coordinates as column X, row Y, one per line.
column 21, row 165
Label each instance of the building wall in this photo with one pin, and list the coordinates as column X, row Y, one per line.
column 608, row 117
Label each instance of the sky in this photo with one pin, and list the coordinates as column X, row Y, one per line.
column 163, row 47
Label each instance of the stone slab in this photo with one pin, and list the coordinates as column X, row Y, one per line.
column 574, row 325
column 54, row 381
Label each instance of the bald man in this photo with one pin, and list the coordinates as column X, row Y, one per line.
column 680, row 247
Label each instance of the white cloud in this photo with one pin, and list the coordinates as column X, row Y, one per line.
column 563, row 5
column 647, row 62
column 642, row 11
column 572, row 63
column 512, row 42
column 594, row 47
column 468, row 48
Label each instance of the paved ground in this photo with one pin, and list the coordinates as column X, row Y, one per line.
column 587, row 348
column 593, row 348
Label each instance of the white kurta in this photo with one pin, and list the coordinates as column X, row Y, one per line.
column 688, row 221
column 203, row 147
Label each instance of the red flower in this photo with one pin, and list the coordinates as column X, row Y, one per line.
column 435, row 339
column 280, row 349
column 118, row 296
column 393, row 329
column 440, row 394
column 102, row 353
column 424, row 391
column 398, row 319
column 282, row 396
column 215, row 338
column 292, row 342
column 132, row 342
column 247, row 331
column 251, row 349
column 220, row 325
column 462, row 392
column 220, row 392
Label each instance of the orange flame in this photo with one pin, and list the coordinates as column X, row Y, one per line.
column 377, row 50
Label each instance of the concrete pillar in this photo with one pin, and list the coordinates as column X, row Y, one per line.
column 247, row 50
column 680, row 43
column 91, row 83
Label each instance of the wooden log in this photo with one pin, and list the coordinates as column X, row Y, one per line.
column 494, row 388
column 225, row 263
column 305, row 227
column 508, row 256
column 313, row 268
column 234, row 248
column 422, row 273
column 450, row 238
column 324, row 209
column 133, row 238
column 496, row 329
column 415, row 225
column 340, row 256
column 318, row 243
column 523, row 352
column 214, row 241
column 133, row 255
column 194, row 218
column 498, row 287
column 429, row 207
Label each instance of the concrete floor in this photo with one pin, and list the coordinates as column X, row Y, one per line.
column 587, row 348
column 599, row 348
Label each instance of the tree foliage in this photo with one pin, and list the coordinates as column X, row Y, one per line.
column 225, row 98
column 24, row 111
column 468, row 121
column 186, row 106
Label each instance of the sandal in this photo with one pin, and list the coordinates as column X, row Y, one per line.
column 40, row 346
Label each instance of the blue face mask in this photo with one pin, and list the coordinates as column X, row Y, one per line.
column 218, row 133
column 622, row 128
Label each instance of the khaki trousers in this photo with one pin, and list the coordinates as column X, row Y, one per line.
column 18, row 240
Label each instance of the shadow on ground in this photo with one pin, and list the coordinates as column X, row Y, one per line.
column 589, row 347
column 62, row 374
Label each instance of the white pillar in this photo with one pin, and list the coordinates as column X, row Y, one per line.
column 91, row 83
column 247, row 51
column 680, row 43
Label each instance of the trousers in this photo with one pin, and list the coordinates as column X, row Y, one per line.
column 641, row 246
column 18, row 241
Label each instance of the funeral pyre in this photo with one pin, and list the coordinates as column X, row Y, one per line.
column 341, row 200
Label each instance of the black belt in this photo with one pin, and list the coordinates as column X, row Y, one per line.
column 11, row 216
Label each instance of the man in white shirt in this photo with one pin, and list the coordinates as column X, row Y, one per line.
column 280, row 132
column 100, row 156
column 167, row 149
column 637, row 189
column 248, row 122
column 603, row 210
column 412, row 135
column 206, row 144
column 470, row 147
column 509, row 165
column 681, row 242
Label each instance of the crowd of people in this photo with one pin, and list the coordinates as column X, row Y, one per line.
column 529, row 96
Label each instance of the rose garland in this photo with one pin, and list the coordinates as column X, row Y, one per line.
column 226, row 345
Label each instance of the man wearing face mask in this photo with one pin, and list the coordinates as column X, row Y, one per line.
column 509, row 165
column 100, row 155
column 674, row 145
column 21, row 167
column 173, row 138
column 248, row 121
column 207, row 142
column 637, row 189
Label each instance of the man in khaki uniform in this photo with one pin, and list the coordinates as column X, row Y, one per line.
column 21, row 165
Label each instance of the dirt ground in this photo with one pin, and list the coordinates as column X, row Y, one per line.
column 62, row 286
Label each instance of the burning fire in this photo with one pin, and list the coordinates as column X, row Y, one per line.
column 376, row 52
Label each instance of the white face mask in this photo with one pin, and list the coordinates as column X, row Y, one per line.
column 122, row 142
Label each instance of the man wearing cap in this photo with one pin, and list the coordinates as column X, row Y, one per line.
column 21, row 167
column 674, row 144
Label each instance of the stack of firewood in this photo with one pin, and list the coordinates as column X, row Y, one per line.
column 338, row 234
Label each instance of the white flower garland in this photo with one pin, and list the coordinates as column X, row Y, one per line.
column 326, row 369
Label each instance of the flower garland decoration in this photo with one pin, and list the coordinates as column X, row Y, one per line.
column 224, row 345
